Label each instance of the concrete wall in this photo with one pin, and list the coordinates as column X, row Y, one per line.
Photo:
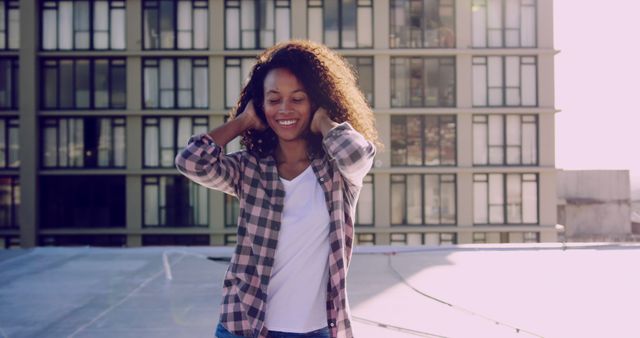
column 594, row 202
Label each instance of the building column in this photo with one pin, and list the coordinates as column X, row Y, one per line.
column 29, row 132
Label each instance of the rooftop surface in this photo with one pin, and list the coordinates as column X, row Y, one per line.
column 488, row 291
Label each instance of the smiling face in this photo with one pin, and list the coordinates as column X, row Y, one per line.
column 287, row 107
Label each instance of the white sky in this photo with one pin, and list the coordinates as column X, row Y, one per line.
column 597, row 74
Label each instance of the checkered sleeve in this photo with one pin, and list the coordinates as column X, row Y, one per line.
column 204, row 162
column 351, row 151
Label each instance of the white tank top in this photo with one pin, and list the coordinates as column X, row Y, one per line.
column 297, row 290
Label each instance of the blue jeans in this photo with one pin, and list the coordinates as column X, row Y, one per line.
column 221, row 332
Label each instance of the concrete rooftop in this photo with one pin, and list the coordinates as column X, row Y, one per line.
column 458, row 291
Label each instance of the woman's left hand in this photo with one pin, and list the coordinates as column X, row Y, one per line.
column 321, row 122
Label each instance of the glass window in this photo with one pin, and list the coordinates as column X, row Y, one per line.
column 423, row 140
column 83, row 142
column 9, row 202
column 505, row 139
column 9, row 142
column 505, row 81
column 176, row 83
column 10, row 25
column 9, row 83
column 365, row 239
column 101, row 206
column 83, row 240
column 81, row 24
column 256, row 24
column 236, row 76
column 341, row 24
column 423, row 199
column 230, row 239
column 231, row 211
column 504, row 23
column 182, row 24
column 428, row 239
column 84, row 84
column 163, row 137
column 174, row 201
column 175, row 240
column 363, row 66
column 505, row 198
column 422, row 24
column 365, row 207
column 423, row 82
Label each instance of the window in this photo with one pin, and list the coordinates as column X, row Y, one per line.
column 363, row 66
column 81, row 25
column 230, row 239
column 231, row 211
column 365, row 207
column 84, row 84
column 423, row 199
column 83, row 142
column 505, row 199
column 176, row 83
column 182, row 24
column 504, row 81
column 9, row 242
column 504, row 23
column 10, row 24
column 423, row 140
column 505, row 140
column 236, row 75
column 341, row 24
column 165, row 136
column 84, row 240
column 101, row 206
column 506, row 237
column 9, row 142
column 423, row 82
column 422, row 24
column 9, row 202
column 174, row 201
column 365, row 239
column 429, row 239
column 9, row 83
column 256, row 24
column 172, row 240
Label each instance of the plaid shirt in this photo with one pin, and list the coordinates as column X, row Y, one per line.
column 255, row 182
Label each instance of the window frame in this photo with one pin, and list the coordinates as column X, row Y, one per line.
column 504, row 145
column 357, row 62
column 423, row 141
column 423, row 238
column 13, row 71
column 198, row 124
column 475, row 61
column 148, row 5
column 155, row 62
column 55, row 63
column 392, row 45
column 423, row 209
column 257, row 30
column 394, row 62
column 113, row 5
column 11, row 125
column 10, row 7
column 358, row 4
column 47, row 122
column 503, row 29
column 150, row 180
column 11, row 183
column 505, row 202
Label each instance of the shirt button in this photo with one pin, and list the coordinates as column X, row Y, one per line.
column 321, row 179
column 332, row 324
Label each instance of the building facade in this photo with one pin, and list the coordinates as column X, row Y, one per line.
column 97, row 97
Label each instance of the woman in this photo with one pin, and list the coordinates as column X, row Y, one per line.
column 309, row 140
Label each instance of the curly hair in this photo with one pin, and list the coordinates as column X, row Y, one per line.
column 328, row 79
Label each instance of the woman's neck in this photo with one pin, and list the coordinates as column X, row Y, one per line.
column 291, row 152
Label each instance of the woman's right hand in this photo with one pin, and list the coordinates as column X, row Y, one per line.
column 251, row 119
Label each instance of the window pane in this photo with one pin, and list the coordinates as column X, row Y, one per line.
column 101, row 25
column 49, row 29
column 184, row 25
column 529, row 97
column 514, row 199
column 166, row 83
column 119, row 146
column 479, row 85
column 118, row 28
column 119, row 87
column 151, row 146
column 479, row 31
column 365, row 203
column 529, row 143
column 283, row 31
column 414, row 140
column 167, row 142
column 398, row 140
column 151, row 33
column 432, row 139
column 496, row 198
column 104, row 143
column 315, row 28
column 348, row 31
column 81, row 24
column 167, row 25
column 232, row 86
column 528, row 27
column 398, row 202
column 184, row 83
column 530, row 200
column 432, row 199
column 480, row 203
column 201, row 87
column 151, row 87
column 414, row 199
column 365, row 27
column 65, row 28
column 496, row 139
column 448, row 202
column 232, row 28
column 66, row 77
column 480, row 148
column 331, row 28
column 200, row 29
column 101, row 84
